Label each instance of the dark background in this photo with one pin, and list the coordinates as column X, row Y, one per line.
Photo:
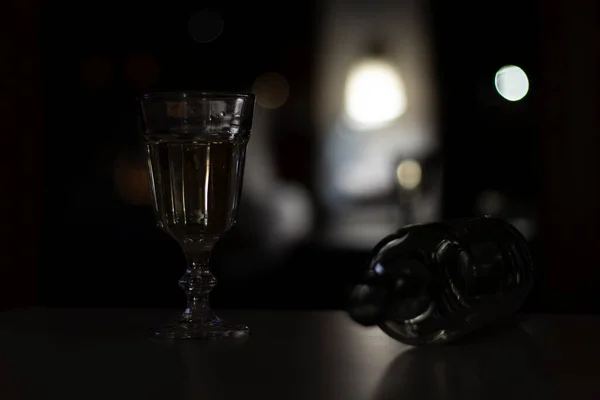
column 72, row 72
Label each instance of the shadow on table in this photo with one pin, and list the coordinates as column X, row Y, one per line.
column 505, row 365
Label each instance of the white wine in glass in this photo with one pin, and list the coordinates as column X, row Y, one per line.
column 196, row 146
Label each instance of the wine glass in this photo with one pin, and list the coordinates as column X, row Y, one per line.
column 196, row 146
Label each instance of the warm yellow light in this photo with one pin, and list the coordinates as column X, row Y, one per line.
column 409, row 174
column 131, row 180
column 375, row 94
column 272, row 90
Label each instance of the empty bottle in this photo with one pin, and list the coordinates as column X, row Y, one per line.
column 434, row 283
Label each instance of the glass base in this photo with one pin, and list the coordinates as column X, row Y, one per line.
column 208, row 330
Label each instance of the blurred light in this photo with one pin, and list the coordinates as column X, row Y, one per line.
column 366, row 177
column 205, row 26
column 409, row 174
column 512, row 83
column 131, row 181
column 490, row 203
column 97, row 71
column 142, row 70
column 175, row 109
column 375, row 94
column 271, row 89
column 294, row 212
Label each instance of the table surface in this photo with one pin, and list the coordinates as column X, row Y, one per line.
column 108, row 354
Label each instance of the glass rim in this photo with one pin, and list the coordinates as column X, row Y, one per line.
column 194, row 94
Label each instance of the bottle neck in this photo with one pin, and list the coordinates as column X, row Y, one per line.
column 390, row 292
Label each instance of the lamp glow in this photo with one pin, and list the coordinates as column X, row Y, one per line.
column 375, row 94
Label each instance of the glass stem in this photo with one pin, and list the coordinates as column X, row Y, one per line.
column 197, row 283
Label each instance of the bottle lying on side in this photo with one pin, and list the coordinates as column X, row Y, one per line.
column 434, row 283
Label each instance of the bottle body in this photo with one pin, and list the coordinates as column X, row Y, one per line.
column 434, row 283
